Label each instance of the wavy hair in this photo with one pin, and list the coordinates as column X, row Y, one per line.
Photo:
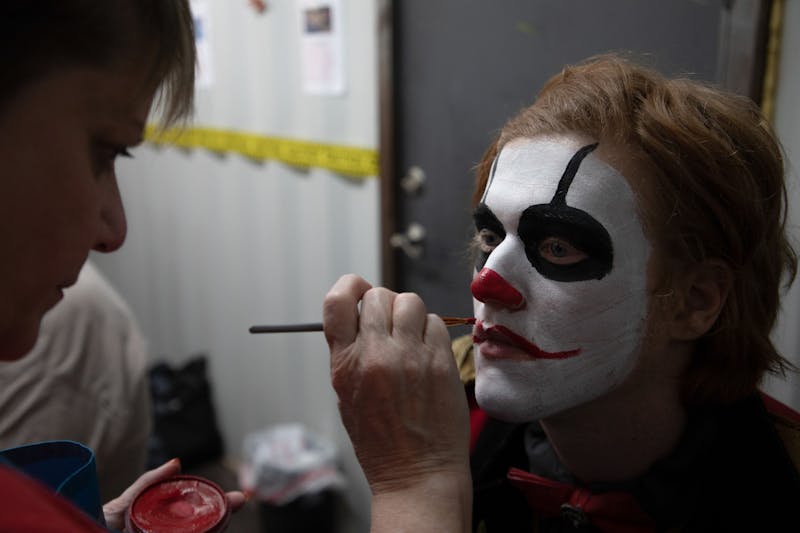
column 716, row 190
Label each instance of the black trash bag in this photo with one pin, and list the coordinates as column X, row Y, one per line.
column 184, row 419
column 309, row 513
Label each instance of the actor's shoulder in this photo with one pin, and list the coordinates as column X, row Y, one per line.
column 787, row 424
column 463, row 353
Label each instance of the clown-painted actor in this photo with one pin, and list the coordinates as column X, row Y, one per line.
column 630, row 253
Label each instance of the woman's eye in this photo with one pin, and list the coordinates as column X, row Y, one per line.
column 122, row 151
column 105, row 155
column 487, row 240
column 113, row 152
column 560, row 252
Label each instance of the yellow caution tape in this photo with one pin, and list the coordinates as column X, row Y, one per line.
column 347, row 160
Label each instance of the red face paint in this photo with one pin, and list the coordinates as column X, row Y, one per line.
column 490, row 288
column 180, row 504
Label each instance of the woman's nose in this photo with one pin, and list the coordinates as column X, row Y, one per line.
column 113, row 226
column 490, row 288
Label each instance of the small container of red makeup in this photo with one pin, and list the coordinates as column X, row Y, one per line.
column 180, row 504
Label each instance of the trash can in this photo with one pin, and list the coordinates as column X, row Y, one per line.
column 294, row 475
column 309, row 513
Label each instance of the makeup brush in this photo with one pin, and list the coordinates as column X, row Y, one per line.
column 449, row 321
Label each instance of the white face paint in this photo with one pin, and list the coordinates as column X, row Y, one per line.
column 561, row 300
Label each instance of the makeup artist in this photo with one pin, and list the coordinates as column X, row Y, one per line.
column 77, row 83
column 630, row 253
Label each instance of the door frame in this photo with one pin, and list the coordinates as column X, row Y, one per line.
column 386, row 143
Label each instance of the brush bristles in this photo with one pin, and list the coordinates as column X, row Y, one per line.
column 457, row 321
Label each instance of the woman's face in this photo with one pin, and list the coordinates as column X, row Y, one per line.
column 560, row 285
column 59, row 138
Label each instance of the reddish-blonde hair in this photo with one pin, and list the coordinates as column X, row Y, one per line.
column 716, row 191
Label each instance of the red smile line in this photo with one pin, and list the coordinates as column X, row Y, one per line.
column 505, row 335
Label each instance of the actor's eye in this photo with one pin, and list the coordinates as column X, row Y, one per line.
column 489, row 233
column 487, row 240
column 560, row 252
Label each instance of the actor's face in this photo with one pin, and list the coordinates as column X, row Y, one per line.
column 560, row 285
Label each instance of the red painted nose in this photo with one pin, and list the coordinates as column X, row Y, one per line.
column 490, row 288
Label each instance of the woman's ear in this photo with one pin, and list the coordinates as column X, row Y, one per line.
column 703, row 289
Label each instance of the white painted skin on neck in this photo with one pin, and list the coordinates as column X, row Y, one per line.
column 599, row 321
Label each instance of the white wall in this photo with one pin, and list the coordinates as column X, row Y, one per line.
column 787, row 124
column 217, row 243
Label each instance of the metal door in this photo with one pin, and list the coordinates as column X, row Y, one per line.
column 452, row 71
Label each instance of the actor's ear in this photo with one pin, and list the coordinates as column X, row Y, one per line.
column 703, row 289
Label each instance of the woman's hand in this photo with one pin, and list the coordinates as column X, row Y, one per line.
column 114, row 510
column 402, row 404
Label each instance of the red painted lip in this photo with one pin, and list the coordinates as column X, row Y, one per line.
column 501, row 335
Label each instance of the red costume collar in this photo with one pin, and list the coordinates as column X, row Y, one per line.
column 613, row 511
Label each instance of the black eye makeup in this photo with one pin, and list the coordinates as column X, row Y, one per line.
column 590, row 254
column 562, row 243
column 489, row 234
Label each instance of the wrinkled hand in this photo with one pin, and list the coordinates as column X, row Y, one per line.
column 114, row 510
column 400, row 396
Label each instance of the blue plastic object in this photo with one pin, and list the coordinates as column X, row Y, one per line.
column 67, row 467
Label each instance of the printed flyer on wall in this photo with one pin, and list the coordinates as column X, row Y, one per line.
column 322, row 47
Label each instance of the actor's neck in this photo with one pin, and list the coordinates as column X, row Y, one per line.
column 619, row 436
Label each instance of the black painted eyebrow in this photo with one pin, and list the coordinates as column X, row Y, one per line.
column 560, row 196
